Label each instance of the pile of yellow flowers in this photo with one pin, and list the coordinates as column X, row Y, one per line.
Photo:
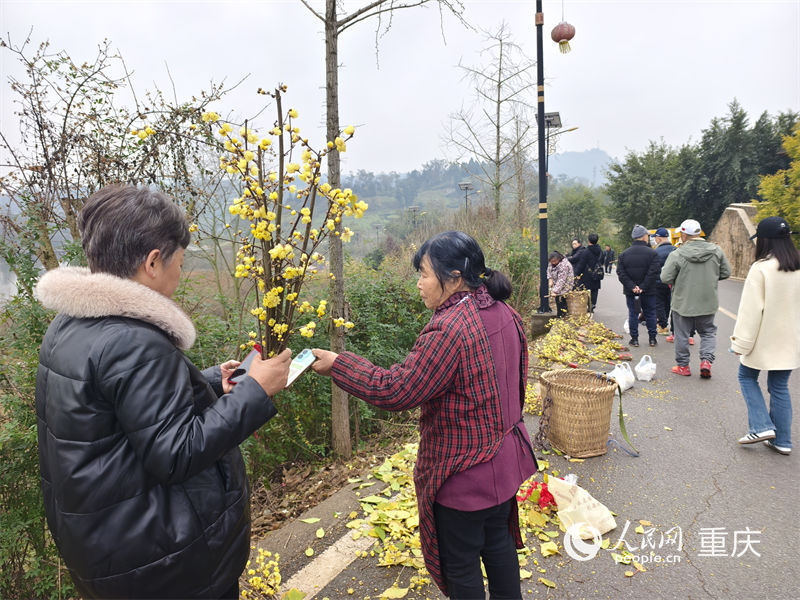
column 264, row 578
column 577, row 341
column 282, row 197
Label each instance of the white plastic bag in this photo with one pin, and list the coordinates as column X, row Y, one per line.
column 578, row 507
column 626, row 326
column 646, row 369
column 623, row 375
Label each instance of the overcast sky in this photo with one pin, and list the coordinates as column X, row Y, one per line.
column 639, row 70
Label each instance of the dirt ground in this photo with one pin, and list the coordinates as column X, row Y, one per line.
column 304, row 485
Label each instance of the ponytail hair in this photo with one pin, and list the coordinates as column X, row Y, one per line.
column 455, row 254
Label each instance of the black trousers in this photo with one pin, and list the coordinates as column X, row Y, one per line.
column 663, row 299
column 467, row 536
column 561, row 306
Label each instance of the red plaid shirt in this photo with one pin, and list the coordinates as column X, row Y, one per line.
column 451, row 375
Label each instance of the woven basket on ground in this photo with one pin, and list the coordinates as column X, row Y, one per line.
column 577, row 302
column 580, row 413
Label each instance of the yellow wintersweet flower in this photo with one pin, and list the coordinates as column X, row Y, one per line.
column 209, row 117
column 249, row 155
column 292, row 113
column 265, row 143
column 349, row 130
column 323, row 305
column 292, row 168
column 325, row 188
column 338, row 322
column 192, row 227
column 349, row 325
column 340, row 145
column 346, row 234
column 142, row 134
column 330, row 225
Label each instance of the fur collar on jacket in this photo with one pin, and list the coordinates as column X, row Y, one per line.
column 77, row 292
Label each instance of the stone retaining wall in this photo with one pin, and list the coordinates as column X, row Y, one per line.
column 732, row 234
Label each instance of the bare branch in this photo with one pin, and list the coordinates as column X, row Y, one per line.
column 313, row 12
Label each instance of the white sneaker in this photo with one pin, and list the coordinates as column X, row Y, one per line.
column 752, row 438
column 779, row 449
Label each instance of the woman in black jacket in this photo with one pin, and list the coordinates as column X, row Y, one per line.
column 144, row 487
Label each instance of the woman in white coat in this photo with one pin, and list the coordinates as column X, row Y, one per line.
column 767, row 334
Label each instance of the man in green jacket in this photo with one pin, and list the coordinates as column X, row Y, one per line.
column 693, row 271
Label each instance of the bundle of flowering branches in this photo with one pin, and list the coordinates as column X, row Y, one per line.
column 282, row 197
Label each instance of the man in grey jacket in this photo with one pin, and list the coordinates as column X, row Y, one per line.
column 694, row 270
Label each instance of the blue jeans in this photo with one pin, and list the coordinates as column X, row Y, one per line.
column 648, row 308
column 779, row 417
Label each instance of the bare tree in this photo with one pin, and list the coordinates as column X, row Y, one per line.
column 76, row 136
column 494, row 130
column 335, row 24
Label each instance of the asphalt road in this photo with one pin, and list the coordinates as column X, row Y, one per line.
column 734, row 508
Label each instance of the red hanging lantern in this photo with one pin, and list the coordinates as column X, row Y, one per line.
column 562, row 34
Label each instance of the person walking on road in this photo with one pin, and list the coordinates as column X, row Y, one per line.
column 467, row 371
column 579, row 259
column 609, row 256
column 594, row 269
column 663, row 294
column 637, row 270
column 694, row 270
column 559, row 272
column 144, row 487
column 767, row 334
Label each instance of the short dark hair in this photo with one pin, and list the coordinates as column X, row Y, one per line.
column 456, row 251
column 782, row 249
column 121, row 224
column 593, row 237
column 556, row 254
column 576, row 240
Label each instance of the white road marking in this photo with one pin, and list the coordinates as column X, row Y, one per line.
column 322, row 570
column 728, row 313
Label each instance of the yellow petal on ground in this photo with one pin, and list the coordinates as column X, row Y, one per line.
column 549, row 548
column 546, row 582
column 320, row 533
column 394, row 592
column 309, row 552
column 639, row 529
column 667, row 428
column 639, row 567
column 293, row 594
column 645, row 523
column 525, row 574
column 604, row 544
column 628, row 573
column 310, row 520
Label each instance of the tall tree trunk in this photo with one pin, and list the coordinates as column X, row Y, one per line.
column 340, row 416
column 497, row 134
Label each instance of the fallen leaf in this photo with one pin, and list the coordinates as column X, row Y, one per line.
column 525, row 574
column 320, row 533
column 639, row 529
column 628, row 573
column 309, row 552
column 394, row 592
column 293, row 594
column 667, row 428
column 546, row 582
column 310, row 520
column 645, row 523
column 639, row 567
column 549, row 548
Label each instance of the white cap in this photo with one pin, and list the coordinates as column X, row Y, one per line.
column 690, row 227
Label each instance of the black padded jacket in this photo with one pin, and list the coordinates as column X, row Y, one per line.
column 144, row 486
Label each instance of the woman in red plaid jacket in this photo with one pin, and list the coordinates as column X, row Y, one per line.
column 467, row 372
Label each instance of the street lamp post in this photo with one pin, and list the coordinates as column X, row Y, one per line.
column 466, row 187
column 544, row 304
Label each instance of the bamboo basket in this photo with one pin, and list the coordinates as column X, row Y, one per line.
column 578, row 302
column 580, row 413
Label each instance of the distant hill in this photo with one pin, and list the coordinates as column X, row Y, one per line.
column 589, row 165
